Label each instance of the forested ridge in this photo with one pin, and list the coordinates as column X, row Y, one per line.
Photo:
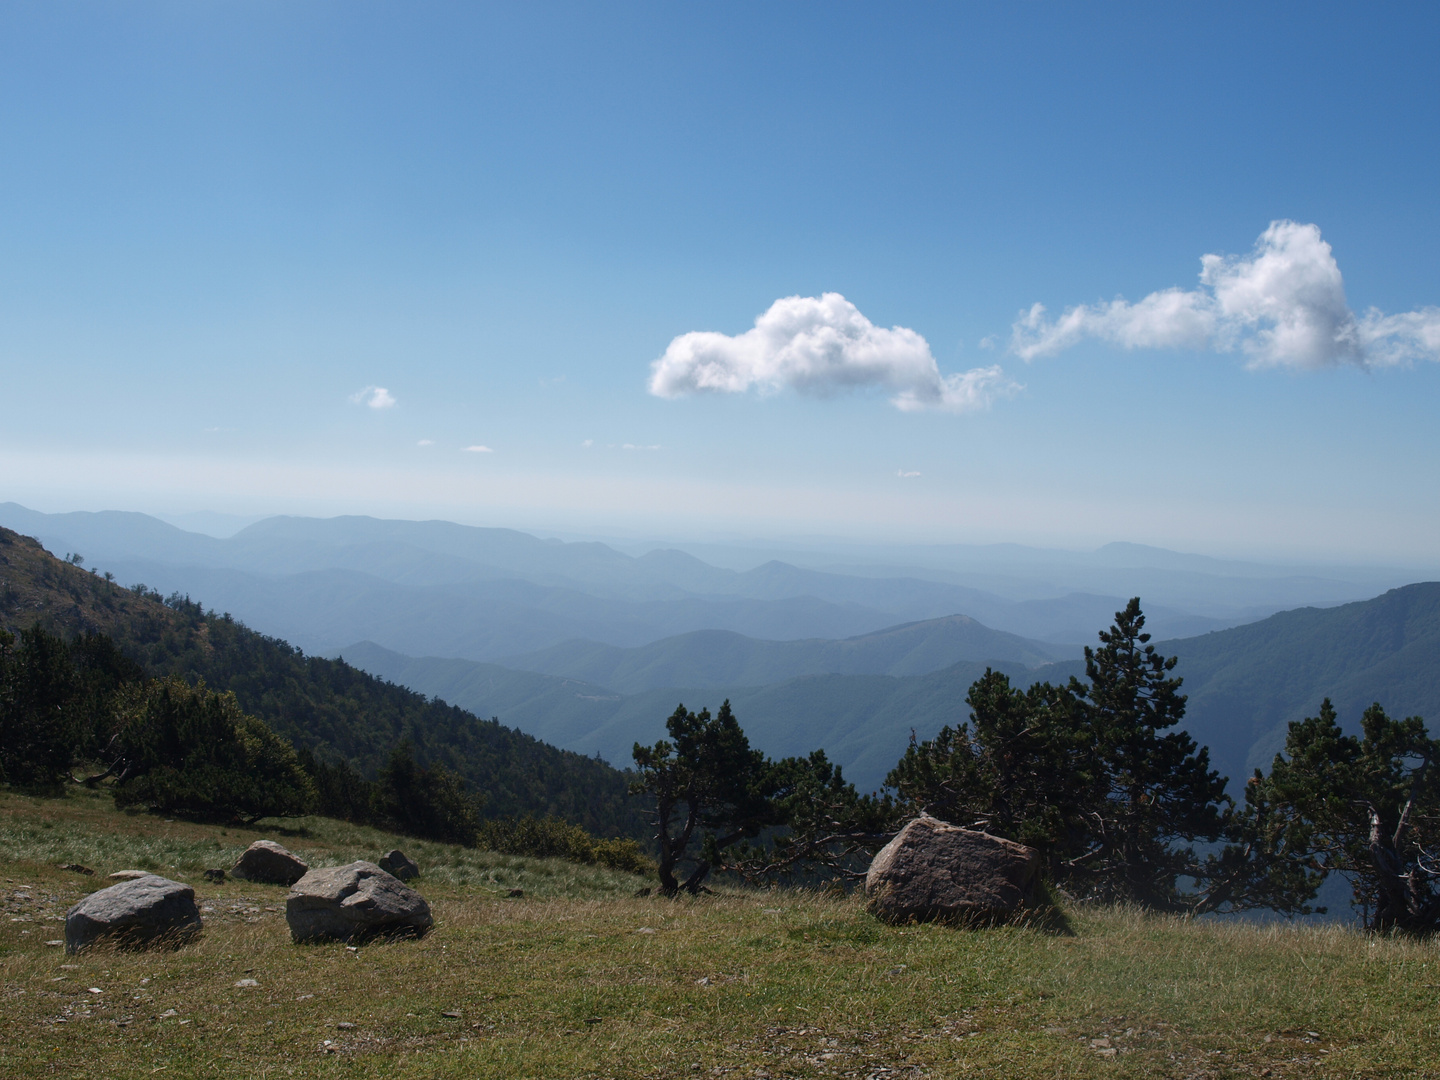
column 336, row 711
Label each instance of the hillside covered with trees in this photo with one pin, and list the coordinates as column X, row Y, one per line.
column 326, row 707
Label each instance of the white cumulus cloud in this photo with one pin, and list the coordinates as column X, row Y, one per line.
column 822, row 345
column 426, row 442
column 377, row 397
column 478, row 449
column 1282, row 305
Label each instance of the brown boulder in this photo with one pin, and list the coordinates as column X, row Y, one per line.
column 935, row 870
column 267, row 862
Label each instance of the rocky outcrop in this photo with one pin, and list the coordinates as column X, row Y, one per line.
column 359, row 900
column 267, row 862
column 935, row 870
column 400, row 865
column 146, row 910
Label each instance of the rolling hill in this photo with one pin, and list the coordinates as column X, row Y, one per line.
column 1244, row 685
column 719, row 657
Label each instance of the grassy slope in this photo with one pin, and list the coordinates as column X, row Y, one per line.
column 588, row 981
column 325, row 704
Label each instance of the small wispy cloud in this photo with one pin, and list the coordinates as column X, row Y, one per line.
column 588, row 443
column 426, row 442
column 376, row 397
column 1283, row 305
column 636, row 446
column 906, row 475
column 822, row 345
column 478, row 449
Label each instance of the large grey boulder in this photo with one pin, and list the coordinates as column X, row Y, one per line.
column 267, row 862
column 935, row 870
column 400, row 865
column 358, row 900
column 141, row 911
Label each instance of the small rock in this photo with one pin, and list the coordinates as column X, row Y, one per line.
column 141, row 911
column 705, row 981
column 645, row 930
column 246, row 982
column 267, row 862
column 129, row 875
column 354, row 901
column 60, row 941
column 76, row 868
column 516, row 893
column 398, row 864
column 216, row 875
column 453, row 1014
column 344, row 1025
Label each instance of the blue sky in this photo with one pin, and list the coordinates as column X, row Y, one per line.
column 223, row 225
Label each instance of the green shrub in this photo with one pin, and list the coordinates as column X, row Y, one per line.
column 187, row 749
column 550, row 837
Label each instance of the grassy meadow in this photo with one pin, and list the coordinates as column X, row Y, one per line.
column 579, row 977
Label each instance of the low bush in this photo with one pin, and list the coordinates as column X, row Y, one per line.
column 550, row 837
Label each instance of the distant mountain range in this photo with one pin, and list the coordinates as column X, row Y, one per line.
column 1244, row 685
column 599, row 645
column 441, row 589
column 722, row 657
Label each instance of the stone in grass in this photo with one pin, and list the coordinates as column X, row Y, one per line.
column 270, row 864
column 128, row 875
column 357, row 901
column 141, row 911
column 935, row 870
column 398, row 864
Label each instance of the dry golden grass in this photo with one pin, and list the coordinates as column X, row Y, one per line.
column 740, row 984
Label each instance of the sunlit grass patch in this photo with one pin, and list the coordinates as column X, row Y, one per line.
column 582, row 978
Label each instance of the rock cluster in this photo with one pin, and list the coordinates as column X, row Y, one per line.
column 267, row 862
column 935, row 870
column 358, row 900
column 138, row 911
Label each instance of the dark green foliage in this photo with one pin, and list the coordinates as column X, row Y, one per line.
column 39, row 722
column 187, row 749
column 340, row 791
column 430, row 802
column 1156, row 791
column 56, row 703
column 750, row 815
column 726, row 790
column 341, row 713
column 826, row 829
column 551, row 838
column 1092, row 776
column 1025, row 770
column 1367, row 807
